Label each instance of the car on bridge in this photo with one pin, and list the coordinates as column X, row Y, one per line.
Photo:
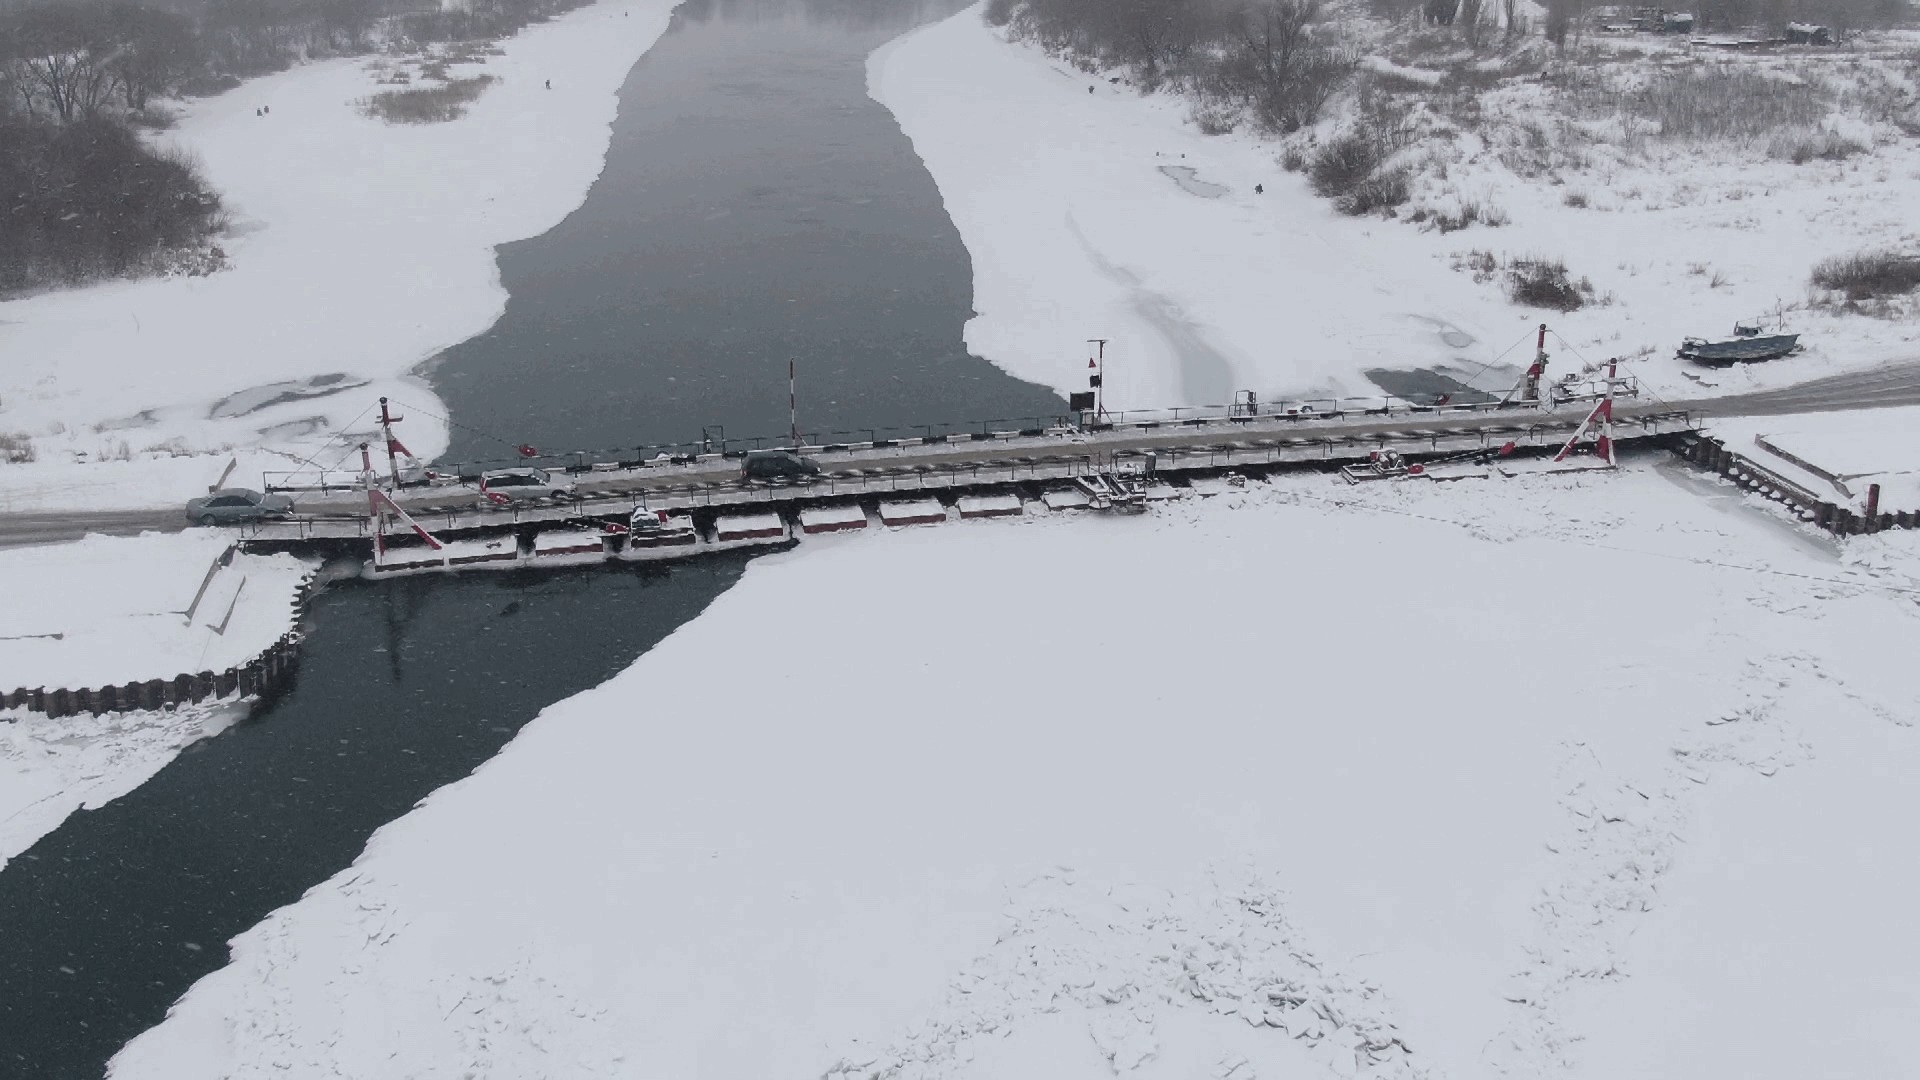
column 501, row 487
column 237, row 506
column 777, row 465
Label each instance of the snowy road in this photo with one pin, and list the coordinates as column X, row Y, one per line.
column 18, row 530
column 1876, row 388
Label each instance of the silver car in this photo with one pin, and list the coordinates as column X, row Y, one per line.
column 233, row 506
column 504, row 486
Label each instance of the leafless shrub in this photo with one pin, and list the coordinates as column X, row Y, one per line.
column 1541, row 282
column 1867, row 275
column 1214, row 119
column 1293, row 158
column 1351, row 168
column 1385, row 189
column 1281, row 64
column 16, row 449
column 426, row 104
column 1818, row 144
column 1574, row 199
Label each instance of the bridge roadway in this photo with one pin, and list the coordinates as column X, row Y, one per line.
column 936, row 466
column 1894, row 384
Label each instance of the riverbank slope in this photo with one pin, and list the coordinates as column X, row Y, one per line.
column 1094, row 211
column 358, row 250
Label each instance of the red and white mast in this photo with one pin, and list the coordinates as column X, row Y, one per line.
column 1530, row 389
column 379, row 504
column 1599, row 422
column 395, row 449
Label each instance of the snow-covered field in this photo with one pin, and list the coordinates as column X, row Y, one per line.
column 1081, row 225
column 1596, row 775
column 106, row 610
column 358, row 250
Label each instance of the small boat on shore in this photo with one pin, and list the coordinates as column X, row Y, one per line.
column 1747, row 346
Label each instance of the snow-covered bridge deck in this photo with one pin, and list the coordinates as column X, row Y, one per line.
column 713, row 481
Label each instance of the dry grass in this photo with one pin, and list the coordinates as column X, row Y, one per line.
column 426, row 104
column 1815, row 144
column 1724, row 103
column 1868, row 275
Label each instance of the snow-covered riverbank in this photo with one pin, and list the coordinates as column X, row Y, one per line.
column 50, row 768
column 1108, row 214
column 358, row 250
column 1263, row 784
column 107, row 611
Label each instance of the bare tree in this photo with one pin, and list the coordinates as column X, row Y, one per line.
column 60, row 56
column 1279, row 66
column 1559, row 17
column 1470, row 21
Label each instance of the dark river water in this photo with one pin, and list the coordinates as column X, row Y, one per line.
column 756, row 206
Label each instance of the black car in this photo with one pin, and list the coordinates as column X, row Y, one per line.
column 777, row 465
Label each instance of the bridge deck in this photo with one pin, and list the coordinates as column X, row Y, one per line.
column 713, row 482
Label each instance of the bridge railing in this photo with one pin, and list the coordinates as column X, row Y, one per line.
column 881, row 482
column 718, row 445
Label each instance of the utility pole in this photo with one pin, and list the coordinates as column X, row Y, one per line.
column 793, row 406
column 1099, row 376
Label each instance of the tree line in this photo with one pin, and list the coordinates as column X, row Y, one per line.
column 1282, row 60
column 84, row 195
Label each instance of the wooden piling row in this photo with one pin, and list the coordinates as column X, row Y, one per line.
column 1713, row 455
column 272, row 669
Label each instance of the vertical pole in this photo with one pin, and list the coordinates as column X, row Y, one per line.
column 1100, row 369
column 1539, row 368
column 793, row 406
column 1873, row 507
column 373, row 502
column 1606, row 414
column 386, row 432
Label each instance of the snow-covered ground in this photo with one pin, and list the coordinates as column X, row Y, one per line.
column 1082, row 225
column 51, row 767
column 358, row 250
column 1581, row 775
column 106, row 610
column 1850, row 451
